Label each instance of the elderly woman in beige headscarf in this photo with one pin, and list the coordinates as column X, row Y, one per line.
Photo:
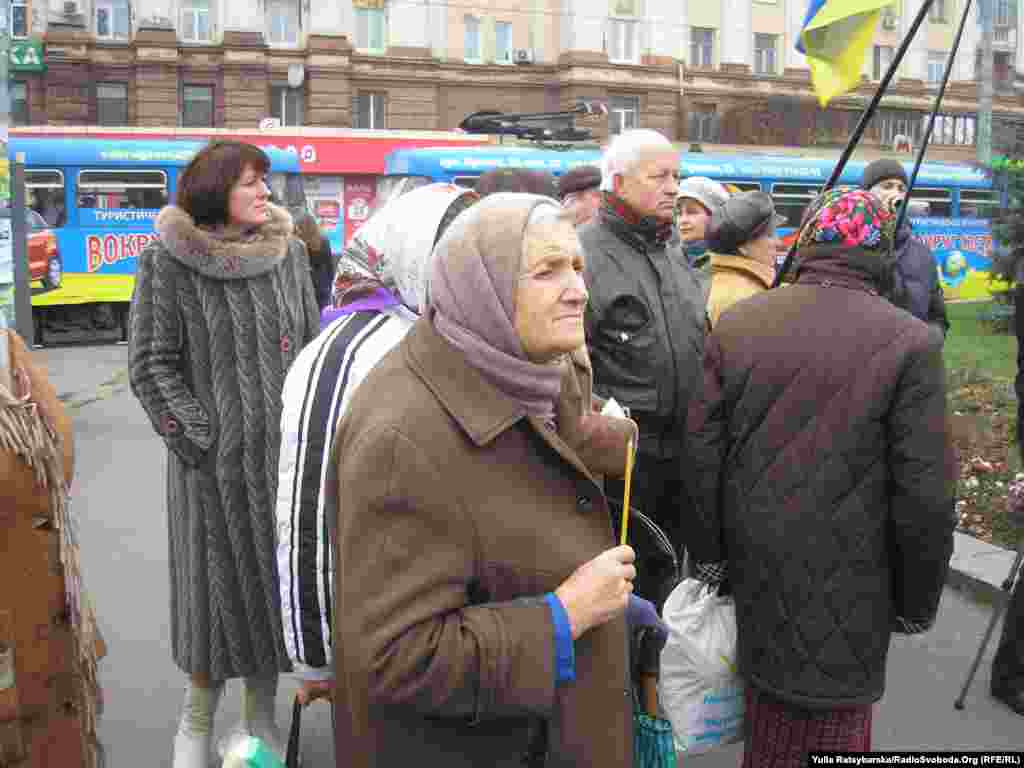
column 480, row 597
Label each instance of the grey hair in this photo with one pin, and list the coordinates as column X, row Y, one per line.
column 543, row 214
column 624, row 152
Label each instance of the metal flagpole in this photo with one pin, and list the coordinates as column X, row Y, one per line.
column 902, row 216
column 865, row 118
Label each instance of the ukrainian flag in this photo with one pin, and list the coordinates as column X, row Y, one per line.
column 835, row 37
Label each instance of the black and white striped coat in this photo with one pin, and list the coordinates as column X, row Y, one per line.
column 317, row 392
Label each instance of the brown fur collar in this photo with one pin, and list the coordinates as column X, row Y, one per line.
column 228, row 253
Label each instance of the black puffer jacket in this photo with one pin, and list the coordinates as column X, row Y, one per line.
column 822, row 472
column 645, row 328
column 916, row 281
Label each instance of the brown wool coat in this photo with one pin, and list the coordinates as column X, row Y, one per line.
column 454, row 519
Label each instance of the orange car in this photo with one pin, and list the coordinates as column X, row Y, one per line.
column 44, row 262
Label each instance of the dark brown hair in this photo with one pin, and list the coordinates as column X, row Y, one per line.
column 509, row 180
column 204, row 187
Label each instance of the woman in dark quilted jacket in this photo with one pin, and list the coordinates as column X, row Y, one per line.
column 822, row 476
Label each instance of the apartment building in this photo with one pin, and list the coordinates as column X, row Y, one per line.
column 714, row 72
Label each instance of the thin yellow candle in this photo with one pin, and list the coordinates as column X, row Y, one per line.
column 625, row 494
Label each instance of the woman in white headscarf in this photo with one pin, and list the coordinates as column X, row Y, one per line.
column 379, row 292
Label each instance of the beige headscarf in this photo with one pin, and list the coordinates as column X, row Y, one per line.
column 472, row 289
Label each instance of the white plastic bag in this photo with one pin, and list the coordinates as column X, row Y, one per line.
column 700, row 690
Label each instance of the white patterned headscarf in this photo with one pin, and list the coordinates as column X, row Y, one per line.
column 392, row 250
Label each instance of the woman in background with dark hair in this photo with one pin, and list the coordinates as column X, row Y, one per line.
column 517, row 180
column 223, row 304
column 321, row 260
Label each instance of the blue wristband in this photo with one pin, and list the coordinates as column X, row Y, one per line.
column 565, row 651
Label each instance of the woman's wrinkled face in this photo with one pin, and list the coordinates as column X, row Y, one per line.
column 693, row 220
column 550, row 293
column 247, row 206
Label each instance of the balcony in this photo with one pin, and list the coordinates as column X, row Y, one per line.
column 1004, row 38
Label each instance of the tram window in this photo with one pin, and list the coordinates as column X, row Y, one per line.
column 469, row 182
column 940, row 202
column 122, row 189
column 978, row 203
column 741, row 186
column 791, row 200
column 45, row 195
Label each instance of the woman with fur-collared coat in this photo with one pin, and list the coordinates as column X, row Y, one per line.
column 223, row 304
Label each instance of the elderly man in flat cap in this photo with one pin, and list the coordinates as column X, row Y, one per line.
column 580, row 191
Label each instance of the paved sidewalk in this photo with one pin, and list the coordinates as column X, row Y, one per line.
column 979, row 567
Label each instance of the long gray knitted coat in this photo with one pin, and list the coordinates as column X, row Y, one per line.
column 216, row 321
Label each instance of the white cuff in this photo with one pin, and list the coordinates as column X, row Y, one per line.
column 312, row 674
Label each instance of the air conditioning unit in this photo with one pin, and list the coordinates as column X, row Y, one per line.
column 522, row 55
column 70, row 8
column 888, row 22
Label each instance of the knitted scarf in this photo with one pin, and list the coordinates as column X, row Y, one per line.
column 649, row 229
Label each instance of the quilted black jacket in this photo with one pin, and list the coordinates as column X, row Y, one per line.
column 824, row 475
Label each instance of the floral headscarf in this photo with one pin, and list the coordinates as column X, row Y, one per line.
column 854, row 218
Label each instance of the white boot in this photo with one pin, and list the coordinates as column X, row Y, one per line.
column 195, row 731
column 259, row 697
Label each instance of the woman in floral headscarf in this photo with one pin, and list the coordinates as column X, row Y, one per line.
column 822, row 476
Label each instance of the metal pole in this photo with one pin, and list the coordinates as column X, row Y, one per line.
column 984, row 155
column 901, row 217
column 19, row 249
column 7, row 270
column 865, row 118
column 997, row 611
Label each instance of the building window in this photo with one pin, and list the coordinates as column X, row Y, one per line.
column 113, row 20
column 702, row 47
column 890, row 16
column 764, row 54
column 938, row 11
column 19, row 103
column 503, row 42
column 936, row 66
column 19, row 18
column 111, row 104
column 623, row 113
column 195, row 21
column 895, row 122
column 882, row 61
column 703, row 123
column 371, row 30
column 283, row 22
column 197, row 106
column 471, row 39
column 622, row 43
column 1002, row 17
column 368, row 110
column 286, row 104
column 952, row 129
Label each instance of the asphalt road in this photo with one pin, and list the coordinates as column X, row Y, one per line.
column 119, row 497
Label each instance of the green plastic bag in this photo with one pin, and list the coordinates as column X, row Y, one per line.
column 653, row 745
column 250, row 752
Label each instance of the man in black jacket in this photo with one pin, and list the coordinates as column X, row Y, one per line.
column 916, row 280
column 645, row 318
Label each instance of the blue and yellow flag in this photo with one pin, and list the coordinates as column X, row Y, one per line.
column 835, row 37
